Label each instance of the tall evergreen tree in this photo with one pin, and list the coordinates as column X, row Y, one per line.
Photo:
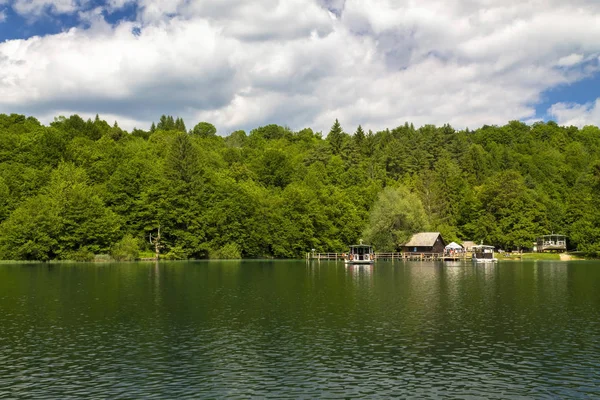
column 180, row 125
column 359, row 137
column 336, row 138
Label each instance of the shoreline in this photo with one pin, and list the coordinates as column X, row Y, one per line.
column 560, row 258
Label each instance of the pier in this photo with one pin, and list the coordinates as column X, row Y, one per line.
column 393, row 257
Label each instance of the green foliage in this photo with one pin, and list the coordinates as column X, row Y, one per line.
column 230, row 251
column 84, row 219
column 509, row 213
column 65, row 217
column 79, row 187
column 204, row 130
column 31, row 232
column 126, row 249
column 237, row 139
column 396, row 215
column 82, row 254
column 168, row 123
column 337, row 138
column 269, row 132
column 176, row 253
column 4, row 198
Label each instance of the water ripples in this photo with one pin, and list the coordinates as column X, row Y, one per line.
column 295, row 331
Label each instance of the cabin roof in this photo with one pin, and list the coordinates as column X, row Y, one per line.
column 359, row 245
column 423, row 239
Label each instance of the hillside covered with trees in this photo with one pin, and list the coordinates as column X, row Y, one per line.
column 78, row 188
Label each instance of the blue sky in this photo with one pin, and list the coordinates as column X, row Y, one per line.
column 23, row 26
column 579, row 92
column 302, row 63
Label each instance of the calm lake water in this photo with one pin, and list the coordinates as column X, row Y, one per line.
column 287, row 329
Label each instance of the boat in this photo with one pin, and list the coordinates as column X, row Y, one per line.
column 483, row 254
column 360, row 254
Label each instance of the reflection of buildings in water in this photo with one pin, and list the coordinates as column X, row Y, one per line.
column 425, row 279
column 360, row 272
column 453, row 274
column 552, row 277
column 314, row 267
column 486, row 270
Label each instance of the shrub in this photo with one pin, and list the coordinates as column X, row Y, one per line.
column 230, row 251
column 127, row 249
column 102, row 258
column 175, row 253
column 83, row 254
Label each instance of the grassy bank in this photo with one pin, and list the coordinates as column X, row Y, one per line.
column 542, row 257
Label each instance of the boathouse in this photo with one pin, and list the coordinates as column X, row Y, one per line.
column 550, row 243
column 425, row 242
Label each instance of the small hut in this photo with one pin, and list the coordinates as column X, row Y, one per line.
column 425, row 242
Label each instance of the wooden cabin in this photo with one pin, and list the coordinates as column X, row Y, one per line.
column 425, row 242
column 557, row 243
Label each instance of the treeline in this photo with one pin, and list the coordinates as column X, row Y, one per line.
column 78, row 188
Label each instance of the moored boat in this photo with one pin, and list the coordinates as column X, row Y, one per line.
column 483, row 254
column 360, row 254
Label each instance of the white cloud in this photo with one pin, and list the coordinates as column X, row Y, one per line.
column 117, row 4
column 576, row 114
column 123, row 122
column 2, row 16
column 241, row 63
column 37, row 7
column 570, row 60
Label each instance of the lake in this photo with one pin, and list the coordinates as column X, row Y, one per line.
column 288, row 329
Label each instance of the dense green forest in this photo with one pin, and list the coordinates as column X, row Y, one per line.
column 78, row 188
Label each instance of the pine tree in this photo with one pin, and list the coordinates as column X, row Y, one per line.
column 359, row 136
column 162, row 123
column 170, row 123
column 336, row 138
column 180, row 125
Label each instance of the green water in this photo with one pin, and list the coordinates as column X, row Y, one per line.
column 287, row 329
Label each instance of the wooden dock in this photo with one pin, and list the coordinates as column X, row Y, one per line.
column 391, row 257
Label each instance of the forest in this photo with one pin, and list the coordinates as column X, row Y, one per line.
column 77, row 189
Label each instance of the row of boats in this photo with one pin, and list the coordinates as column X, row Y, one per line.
column 364, row 254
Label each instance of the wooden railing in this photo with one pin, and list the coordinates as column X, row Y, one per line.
column 325, row 256
column 389, row 256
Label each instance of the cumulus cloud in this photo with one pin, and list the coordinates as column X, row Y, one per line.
column 37, row 7
column 576, row 114
column 570, row 60
column 240, row 63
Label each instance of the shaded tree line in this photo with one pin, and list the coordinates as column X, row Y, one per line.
column 77, row 188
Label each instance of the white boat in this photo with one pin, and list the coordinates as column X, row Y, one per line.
column 483, row 254
column 360, row 254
